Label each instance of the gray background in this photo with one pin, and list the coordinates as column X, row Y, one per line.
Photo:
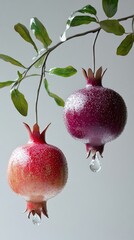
column 91, row 206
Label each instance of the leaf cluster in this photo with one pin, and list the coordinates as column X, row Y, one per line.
column 109, row 25
column 83, row 16
column 41, row 35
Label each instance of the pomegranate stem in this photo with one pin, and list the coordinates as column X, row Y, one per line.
column 94, row 44
column 39, row 86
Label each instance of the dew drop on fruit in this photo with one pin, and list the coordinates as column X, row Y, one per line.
column 95, row 164
column 36, row 219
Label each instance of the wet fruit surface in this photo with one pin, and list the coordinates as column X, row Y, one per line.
column 37, row 171
column 95, row 115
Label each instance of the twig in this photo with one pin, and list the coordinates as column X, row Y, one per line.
column 74, row 36
column 94, row 44
column 39, row 86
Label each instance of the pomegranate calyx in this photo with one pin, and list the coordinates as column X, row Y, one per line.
column 35, row 135
column 98, row 74
column 93, row 79
column 36, row 208
column 44, row 131
column 93, row 149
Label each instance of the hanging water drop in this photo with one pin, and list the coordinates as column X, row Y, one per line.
column 63, row 37
column 95, row 164
column 36, row 219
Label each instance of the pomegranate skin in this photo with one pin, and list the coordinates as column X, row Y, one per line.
column 95, row 115
column 37, row 171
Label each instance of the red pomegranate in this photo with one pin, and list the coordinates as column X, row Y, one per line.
column 95, row 115
column 37, row 171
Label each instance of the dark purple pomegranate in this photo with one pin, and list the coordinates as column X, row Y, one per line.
column 95, row 115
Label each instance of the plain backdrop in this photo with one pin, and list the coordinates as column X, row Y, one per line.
column 92, row 206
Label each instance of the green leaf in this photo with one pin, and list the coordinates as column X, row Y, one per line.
column 58, row 100
column 125, row 45
column 112, row 26
column 110, row 7
column 19, row 102
column 24, row 33
column 6, row 84
column 11, row 60
column 80, row 20
column 20, row 75
column 63, row 72
column 88, row 9
column 40, row 32
column 74, row 21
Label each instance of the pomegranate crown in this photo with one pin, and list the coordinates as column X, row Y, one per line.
column 94, row 79
column 35, row 135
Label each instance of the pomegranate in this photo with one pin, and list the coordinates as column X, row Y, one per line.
column 95, row 115
column 37, row 171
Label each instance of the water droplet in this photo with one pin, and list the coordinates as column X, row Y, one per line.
column 42, row 51
column 36, row 219
column 95, row 164
column 63, row 37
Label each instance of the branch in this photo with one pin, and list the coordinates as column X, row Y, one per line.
column 125, row 18
column 75, row 36
column 67, row 39
column 49, row 50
